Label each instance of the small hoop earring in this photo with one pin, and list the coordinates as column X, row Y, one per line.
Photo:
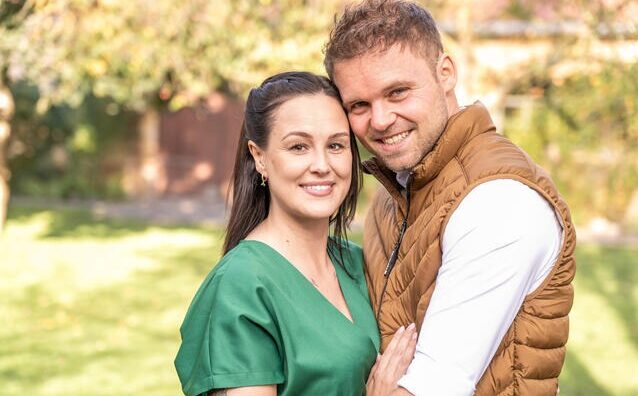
column 264, row 180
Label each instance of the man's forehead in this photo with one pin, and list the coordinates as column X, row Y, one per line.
column 372, row 72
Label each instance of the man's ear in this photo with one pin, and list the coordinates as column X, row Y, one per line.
column 258, row 156
column 446, row 72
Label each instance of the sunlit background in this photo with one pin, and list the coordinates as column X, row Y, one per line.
column 118, row 126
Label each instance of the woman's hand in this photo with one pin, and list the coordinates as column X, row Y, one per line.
column 394, row 362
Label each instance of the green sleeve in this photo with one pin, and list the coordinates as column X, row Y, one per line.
column 229, row 335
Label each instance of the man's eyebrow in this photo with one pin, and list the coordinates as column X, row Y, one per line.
column 387, row 88
column 397, row 83
column 347, row 103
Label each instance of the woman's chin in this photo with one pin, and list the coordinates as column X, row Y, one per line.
column 317, row 214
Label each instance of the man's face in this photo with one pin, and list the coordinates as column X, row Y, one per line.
column 395, row 105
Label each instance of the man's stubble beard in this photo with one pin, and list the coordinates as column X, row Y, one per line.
column 428, row 147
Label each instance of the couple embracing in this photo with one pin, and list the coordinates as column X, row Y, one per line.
column 463, row 285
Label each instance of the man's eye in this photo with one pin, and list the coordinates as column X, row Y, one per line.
column 397, row 93
column 357, row 106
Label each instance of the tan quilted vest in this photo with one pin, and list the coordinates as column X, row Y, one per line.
column 470, row 152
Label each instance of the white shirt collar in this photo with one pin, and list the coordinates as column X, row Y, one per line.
column 402, row 177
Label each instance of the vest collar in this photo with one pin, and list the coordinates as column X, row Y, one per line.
column 461, row 127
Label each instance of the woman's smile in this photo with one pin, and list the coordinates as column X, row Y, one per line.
column 318, row 189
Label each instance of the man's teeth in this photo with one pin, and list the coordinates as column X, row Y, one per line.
column 396, row 138
column 317, row 188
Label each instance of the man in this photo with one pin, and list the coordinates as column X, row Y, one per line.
column 469, row 238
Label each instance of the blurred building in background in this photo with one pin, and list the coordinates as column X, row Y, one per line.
column 187, row 152
column 143, row 99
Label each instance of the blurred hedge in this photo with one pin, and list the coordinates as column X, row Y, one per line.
column 584, row 130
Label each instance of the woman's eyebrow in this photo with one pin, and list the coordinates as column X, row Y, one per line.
column 309, row 135
column 297, row 133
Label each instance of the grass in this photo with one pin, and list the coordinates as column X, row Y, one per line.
column 94, row 306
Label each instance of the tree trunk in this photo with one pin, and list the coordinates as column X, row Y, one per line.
column 153, row 181
column 6, row 111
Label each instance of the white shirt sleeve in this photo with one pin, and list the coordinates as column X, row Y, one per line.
column 499, row 245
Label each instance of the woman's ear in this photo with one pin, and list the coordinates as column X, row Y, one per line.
column 258, row 156
column 446, row 72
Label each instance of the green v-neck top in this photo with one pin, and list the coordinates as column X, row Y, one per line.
column 256, row 320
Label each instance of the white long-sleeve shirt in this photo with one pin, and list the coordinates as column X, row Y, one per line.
column 498, row 247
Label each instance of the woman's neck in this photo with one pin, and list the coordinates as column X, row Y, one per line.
column 304, row 243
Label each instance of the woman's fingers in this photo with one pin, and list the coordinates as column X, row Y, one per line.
column 403, row 353
column 398, row 350
column 405, row 340
column 373, row 371
column 408, row 353
column 395, row 340
column 390, row 366
column 390, row 350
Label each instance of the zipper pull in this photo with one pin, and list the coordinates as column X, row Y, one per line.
column 404, row 225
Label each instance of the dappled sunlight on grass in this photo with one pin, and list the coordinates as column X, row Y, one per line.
column 613, row 275
column 95, row 306
column 83, row 256
column 602, row 349
column 92, row 313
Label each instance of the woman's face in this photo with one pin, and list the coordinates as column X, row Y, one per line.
column 308, row 159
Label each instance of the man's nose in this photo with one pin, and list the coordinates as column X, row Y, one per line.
column 382, row 116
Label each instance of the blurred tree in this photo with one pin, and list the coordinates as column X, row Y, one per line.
column 583, row 124
column 6, row 111
column 10, row 13
column 69, row 152
column 146, row 55
column 578, row 115
column 583, row 127
column 142, row 53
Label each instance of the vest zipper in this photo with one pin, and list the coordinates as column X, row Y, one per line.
column 397, row 245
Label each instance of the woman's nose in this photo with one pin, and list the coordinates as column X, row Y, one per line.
column 320, row 163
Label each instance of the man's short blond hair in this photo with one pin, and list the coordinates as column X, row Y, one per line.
column 376, row 25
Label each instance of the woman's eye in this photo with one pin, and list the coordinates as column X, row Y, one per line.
column 298, row 147
column 336, row 146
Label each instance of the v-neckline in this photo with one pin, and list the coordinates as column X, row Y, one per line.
column 307, row 281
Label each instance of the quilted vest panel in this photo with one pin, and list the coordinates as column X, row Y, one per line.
column 469, row 152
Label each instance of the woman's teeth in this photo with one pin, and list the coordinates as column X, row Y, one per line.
column 317, row 188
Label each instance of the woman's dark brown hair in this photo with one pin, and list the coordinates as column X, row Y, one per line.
column 250, row 200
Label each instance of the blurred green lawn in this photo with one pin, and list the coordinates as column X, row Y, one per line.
column 92, row 306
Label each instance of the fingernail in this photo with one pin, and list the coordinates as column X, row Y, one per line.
column 401, row 329
column 411, row 326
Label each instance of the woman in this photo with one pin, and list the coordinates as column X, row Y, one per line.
column 286, row 310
